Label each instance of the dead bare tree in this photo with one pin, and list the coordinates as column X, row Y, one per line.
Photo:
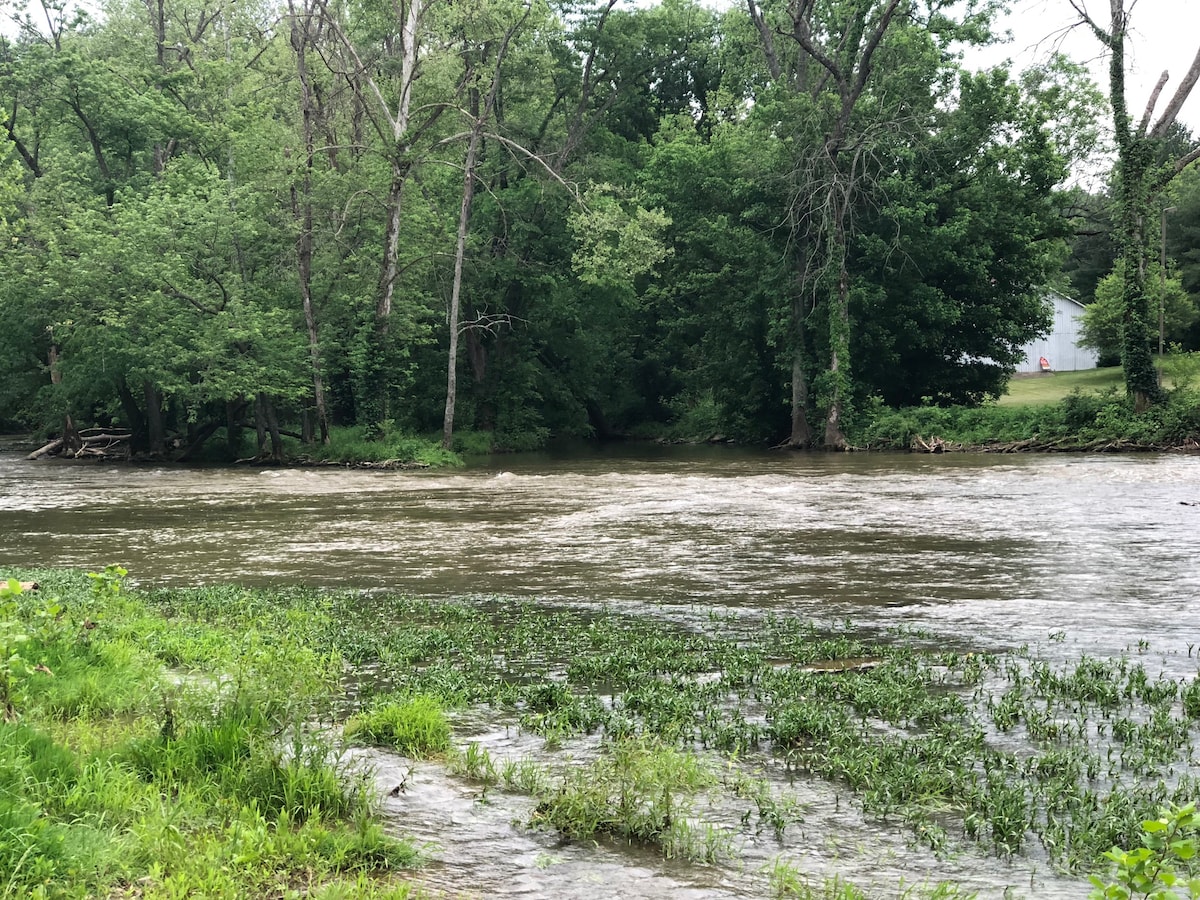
column 1140, row 180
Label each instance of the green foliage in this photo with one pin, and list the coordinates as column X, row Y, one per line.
column 1079, row 421
column 13, row 666
column 1152, row 870
column 209, row 783
column 635, row 790
column 158, row 192
column 1102, row 327
column 617, row 241
column 352, row 446
column 216, row 781
column 1182, row 370
column 414, row 726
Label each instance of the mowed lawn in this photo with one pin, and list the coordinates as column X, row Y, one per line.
column 1038, row 390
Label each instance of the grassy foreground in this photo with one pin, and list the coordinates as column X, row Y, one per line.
column 178, row 743
column 119, row 778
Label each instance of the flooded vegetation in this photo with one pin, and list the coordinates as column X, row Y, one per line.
column 823, row 678
column 717, row 743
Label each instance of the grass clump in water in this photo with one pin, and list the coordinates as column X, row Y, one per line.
column 638, row 790
column 414, row 726
column 386, row 447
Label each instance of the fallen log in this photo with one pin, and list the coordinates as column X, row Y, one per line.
column 54, row 445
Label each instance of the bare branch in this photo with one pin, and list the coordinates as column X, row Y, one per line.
column 490, row 323
column 1152, row 102
column 767, row 37
column 1167, row 119
column 1101, row 35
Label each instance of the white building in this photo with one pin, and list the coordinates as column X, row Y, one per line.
column 1059, row 347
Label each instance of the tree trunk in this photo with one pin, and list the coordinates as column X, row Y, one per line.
column 1134, row 160
column 1139, row 181
column 801, row 435
column 273, row 430
column 139, row 440
column 302, row 208
column 839, row 359
column 480, row 113
column 154, row 418
column 464, row 221
column 260, row 423
column 233, row 428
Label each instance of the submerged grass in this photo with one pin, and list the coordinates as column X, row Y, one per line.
column 1007, row 751
column 1016, row 753
column 637, row 790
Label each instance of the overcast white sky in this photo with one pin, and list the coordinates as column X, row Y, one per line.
column 1164, row 34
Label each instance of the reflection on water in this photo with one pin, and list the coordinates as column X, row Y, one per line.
column 986, row 552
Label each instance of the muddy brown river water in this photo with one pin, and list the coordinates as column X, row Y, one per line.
column 983, row 552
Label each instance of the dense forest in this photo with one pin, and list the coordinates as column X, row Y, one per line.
column 522, row 220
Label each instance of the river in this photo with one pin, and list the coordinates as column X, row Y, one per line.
column 984, row 551
column 1000, row 549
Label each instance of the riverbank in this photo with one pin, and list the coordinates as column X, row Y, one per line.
column 147, row 757
column 1076, row 412
column 1079, row 423
column 164, row 742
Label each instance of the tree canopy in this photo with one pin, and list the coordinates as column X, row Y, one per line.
column 525, row 218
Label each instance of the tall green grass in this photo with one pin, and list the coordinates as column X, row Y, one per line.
column 354, row 446
column 1078, row 421
column 415, row 726
column 214, row 783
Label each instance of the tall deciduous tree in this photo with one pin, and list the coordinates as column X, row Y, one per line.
column 838, row 59
column 482, row 96
column 302, row 24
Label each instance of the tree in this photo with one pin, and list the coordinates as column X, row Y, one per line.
column 301, row 26
column 1139, row 178
column 482, row 101
column 388, row 104
column 852, row 78
column 952, row 265
column 1103, row 321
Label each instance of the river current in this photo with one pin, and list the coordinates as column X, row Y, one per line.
column 985, row 552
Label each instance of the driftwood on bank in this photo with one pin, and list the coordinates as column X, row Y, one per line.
column 1035, row 444
column 94, row 443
